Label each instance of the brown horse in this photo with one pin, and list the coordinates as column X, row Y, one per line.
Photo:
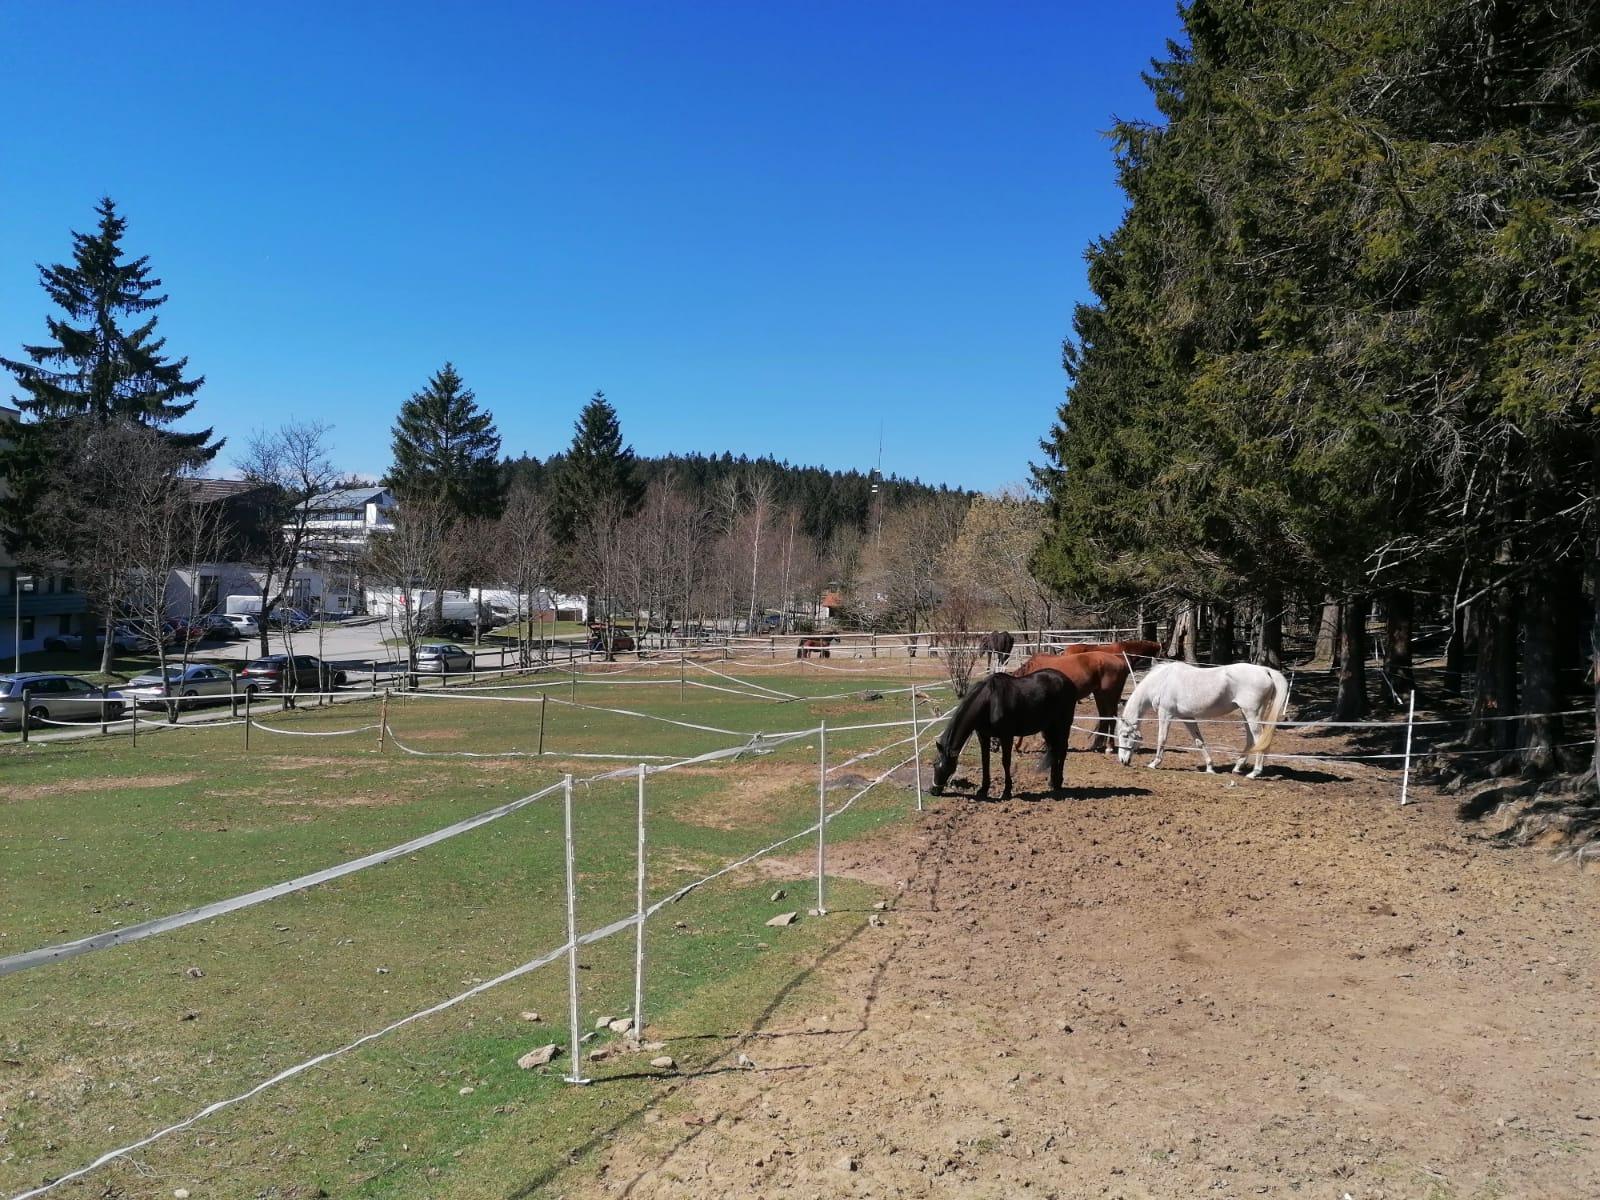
column 1091, row 673
column 1141, row 654
column 815, row 645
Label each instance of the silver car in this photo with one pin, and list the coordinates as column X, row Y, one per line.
column 52, row 697
column 189, row 685
column 443, row 659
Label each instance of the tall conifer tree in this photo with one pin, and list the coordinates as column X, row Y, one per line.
column 97, row 364
column 446, row 449
column 598, row 467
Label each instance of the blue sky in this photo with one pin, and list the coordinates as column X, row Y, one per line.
column 763, row 227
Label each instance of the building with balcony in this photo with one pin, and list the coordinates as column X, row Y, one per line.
column 34, row 607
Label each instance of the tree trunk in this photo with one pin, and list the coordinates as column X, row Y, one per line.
column 1455, row 650
column 108, row 652
column 1221, row 634
column 1541, row 728
column 1271, row 653
column 1329, row 623
column 1147, row 626
column 1400, row 607
column 1496, row 696
column 1351, row 704
column 1594, row 661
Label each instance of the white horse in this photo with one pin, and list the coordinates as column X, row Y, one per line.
column 1176, row 690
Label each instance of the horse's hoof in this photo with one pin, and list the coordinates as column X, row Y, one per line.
column 1256, row 774
column 1210, row 770
column 1153, row 765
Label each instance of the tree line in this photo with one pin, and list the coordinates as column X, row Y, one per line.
column 1343, row 352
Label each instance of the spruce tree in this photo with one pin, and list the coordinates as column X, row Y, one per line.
column 446, row 450
column 97, row 364
column 598, row 467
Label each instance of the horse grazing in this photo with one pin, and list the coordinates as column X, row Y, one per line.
column 1006, row 707
column 1100, row 675
column 999, row 643
column 1140, row 654
column 1177, row 690
column 815, row 645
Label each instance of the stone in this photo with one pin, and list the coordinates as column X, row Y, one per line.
column 180, row 1194
column 531, row 1016
column 621, row 1025
column 538, row 1056
column 664, row 1062
column 195, row 973
column 600, row 1053
column 879, row 905
column 778, row 895
column 466, row 1091
column 876, row 921
column 782, row 919
column 604, row 1023
column 652, row 1045
column 847, row 1163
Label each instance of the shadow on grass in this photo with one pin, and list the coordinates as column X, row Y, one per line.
column 532, row 1187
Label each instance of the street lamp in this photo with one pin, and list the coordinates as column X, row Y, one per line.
column 22, row 583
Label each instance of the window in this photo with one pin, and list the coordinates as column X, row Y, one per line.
column 68, row 585
column 27, row 629
column 75, row 687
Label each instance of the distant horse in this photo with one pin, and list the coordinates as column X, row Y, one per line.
column 1140, row 654
column 1006, row 707
column 1177, row 690
column 815, row 645
column 999, row 644
column 1100, row 675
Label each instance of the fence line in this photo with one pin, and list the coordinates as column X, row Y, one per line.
column 567, row 949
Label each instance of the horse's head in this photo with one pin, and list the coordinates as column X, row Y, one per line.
column 944, row 766
column 1127, row 740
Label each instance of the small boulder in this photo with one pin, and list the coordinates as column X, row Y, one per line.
column 466, row 1091
column 879, row 905
column 778, row 895
column 180, row 1194
column 620, row 1025
column 782, row 919
column 604, row 1023
column 531, row 1016
column 600, row 1053
column 876, row 921
column 664, row 1062
column 195, row 973
column 538, row 1056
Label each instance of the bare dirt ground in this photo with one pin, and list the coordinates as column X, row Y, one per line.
column 1168, row 985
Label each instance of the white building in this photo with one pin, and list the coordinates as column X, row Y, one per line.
column 344, row 521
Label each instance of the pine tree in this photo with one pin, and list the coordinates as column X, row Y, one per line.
column 446, row 450
column 598, row 468
column 96, row 365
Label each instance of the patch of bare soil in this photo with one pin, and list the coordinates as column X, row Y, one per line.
column 1167, row 985
column 744, row 794
column 114, row 783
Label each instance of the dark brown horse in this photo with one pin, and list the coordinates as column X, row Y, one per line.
column 1100, row 675
column 1007, row 707
column 999, row 643
column 815, row 645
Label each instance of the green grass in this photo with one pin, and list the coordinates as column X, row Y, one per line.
column 96, row 833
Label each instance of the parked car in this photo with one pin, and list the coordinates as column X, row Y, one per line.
column 188, row 684
column 216, row 627
column 64, row 641
column 182, row 633
column 288, row 618
column 243, row 624
column 54, row 697
column 446, row 627
column 282, row 673
column 442, row 659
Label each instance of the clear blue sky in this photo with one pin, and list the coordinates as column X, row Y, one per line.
column 759, row 227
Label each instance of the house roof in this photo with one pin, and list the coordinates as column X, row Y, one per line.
column 346, row 498
column 209, row 490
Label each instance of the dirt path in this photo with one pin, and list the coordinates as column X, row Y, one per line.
column 1173, row 986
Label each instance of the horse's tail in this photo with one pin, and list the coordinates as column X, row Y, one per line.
column 1280, row 708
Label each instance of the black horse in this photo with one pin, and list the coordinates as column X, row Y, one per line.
column 1007, row 707
column 999, row 644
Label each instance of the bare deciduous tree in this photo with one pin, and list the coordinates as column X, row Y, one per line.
column 408, row 558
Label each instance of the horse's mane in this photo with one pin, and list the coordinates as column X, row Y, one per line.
column 981, row 693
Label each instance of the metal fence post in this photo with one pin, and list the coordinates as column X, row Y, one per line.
column 638, row 944
column 135, row 708
column 575, row 1075
column 916, row 745
column 247, row 694
column 682, row 674
column 822, row 814
column 1405, row 778
column 373, row 690
column 542, row 705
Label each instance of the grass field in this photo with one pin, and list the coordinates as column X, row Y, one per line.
column 102, row 1049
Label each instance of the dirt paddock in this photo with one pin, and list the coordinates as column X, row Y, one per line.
column 1168, row 985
